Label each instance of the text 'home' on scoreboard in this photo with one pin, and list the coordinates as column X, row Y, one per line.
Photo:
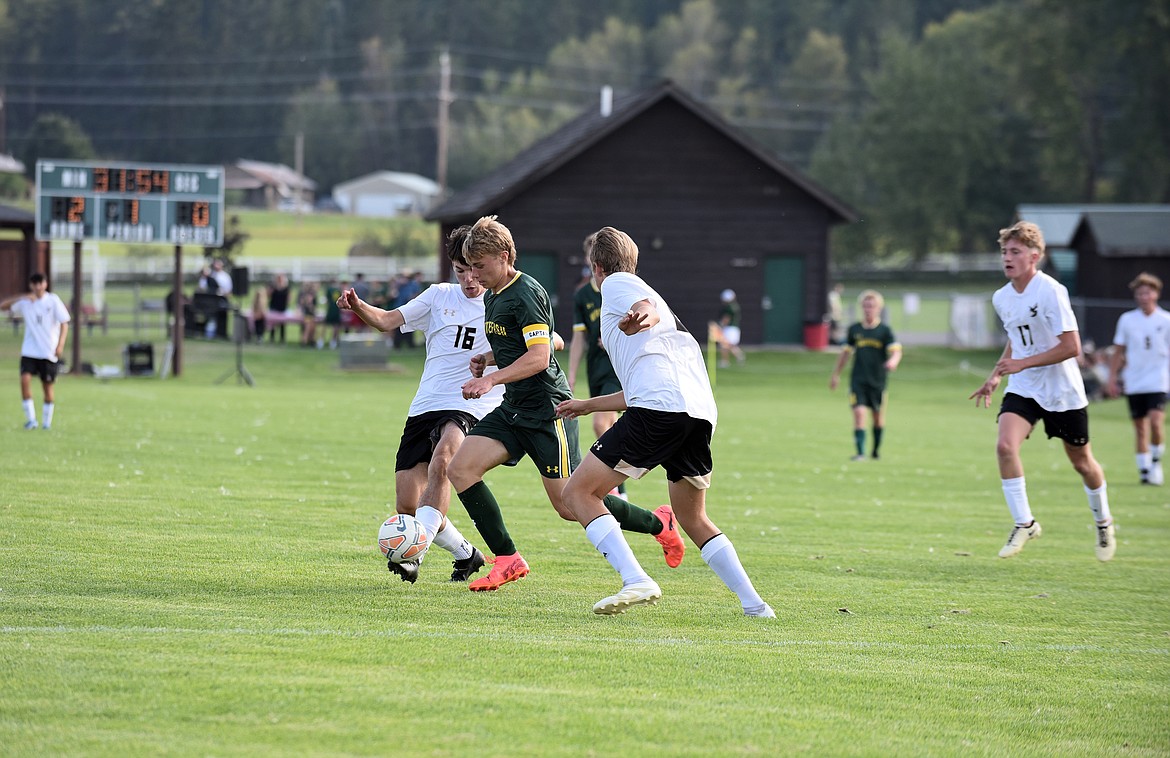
column 130, row 202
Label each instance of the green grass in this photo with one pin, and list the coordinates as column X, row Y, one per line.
column 273, row 234
column 189, row 568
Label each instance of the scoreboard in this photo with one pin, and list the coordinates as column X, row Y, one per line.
column 129, row 202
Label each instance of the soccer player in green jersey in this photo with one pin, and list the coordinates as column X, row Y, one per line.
column 877, row 353
column 586, row 343
column 519, row 325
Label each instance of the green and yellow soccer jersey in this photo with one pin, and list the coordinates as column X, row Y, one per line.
column 587, row 319
column 731, row 312
column 516, row 317
column 872, row 347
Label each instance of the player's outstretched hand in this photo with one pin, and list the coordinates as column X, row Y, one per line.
column 348, row 300
column 984, row 393
column 571, row 408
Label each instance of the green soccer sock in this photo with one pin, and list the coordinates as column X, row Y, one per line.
column 877, row 438
column 631, row 517
column 859, row 440
column 485, row 513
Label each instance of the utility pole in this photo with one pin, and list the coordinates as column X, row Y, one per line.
column 445, row 99
column 299, row 167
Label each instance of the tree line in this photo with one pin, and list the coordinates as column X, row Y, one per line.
column 934, row 118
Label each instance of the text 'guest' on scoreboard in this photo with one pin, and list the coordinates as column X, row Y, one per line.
column 140, row 203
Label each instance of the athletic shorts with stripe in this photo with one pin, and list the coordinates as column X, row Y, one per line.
column 552, row 444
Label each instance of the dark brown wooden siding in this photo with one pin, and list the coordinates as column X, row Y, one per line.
column 1108, row 278
column 704, row 212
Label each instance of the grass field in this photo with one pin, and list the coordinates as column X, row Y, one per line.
column 316, row 235
column 189, row 568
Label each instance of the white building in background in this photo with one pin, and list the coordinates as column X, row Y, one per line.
column 383, row 194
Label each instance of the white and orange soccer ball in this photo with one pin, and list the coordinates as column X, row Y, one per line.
column 403, row 539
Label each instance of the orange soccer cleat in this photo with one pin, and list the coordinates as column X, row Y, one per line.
column 505, row 568
column 669, row 538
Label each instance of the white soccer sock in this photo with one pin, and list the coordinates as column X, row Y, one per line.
column 1157, row 451
column 1145, row 462
column 720, row 555
column 30, row 411
column 430, row 518
column 447, row 537
column 606, row 536
column 1099, row 504
column 1015, row 492
column 47, row 415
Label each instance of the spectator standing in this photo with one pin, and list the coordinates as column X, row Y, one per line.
column 729, row 317
column 278, row 304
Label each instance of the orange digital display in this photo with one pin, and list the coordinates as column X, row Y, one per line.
column 133, row 181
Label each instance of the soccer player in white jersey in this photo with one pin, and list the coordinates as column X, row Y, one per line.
column 669, row 418
column 1043, row 383
column 46, row 328
column 1142, row 345
column 451, row 316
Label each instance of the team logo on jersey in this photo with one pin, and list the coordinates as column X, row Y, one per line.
column 493, row 328
column 449, row 312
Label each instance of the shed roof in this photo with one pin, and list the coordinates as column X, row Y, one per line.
column 10, row 165
column 552, row 152
column 12, row 217
column 410, row 182
column 249, row 174
column 1059, row 222
column 1135, row 233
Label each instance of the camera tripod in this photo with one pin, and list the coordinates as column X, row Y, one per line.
column 239, row 336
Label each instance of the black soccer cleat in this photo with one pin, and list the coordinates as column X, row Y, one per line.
column 466, row 567
column 408, row 571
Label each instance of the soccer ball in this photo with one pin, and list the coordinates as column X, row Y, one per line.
column 403, row 539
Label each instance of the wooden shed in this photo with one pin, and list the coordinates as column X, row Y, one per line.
column 709, row 208
column 1113, row 245
column 20, row 253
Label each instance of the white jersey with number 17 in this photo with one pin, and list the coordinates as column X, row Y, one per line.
column 1034, row 320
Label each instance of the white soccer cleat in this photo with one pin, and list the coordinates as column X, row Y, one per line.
column 1156, row 473
column 1019, row 535
column 764, row 612
column 635, row 594
column 1106, row 544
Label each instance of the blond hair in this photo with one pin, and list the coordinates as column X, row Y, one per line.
column 1024, row 232
column 874, row 294
column 488, row 237
column 613, row 250
column 1146, row 279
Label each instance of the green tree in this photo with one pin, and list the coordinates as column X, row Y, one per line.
column 941, row 155
column 55, row 136
column 322, row 117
